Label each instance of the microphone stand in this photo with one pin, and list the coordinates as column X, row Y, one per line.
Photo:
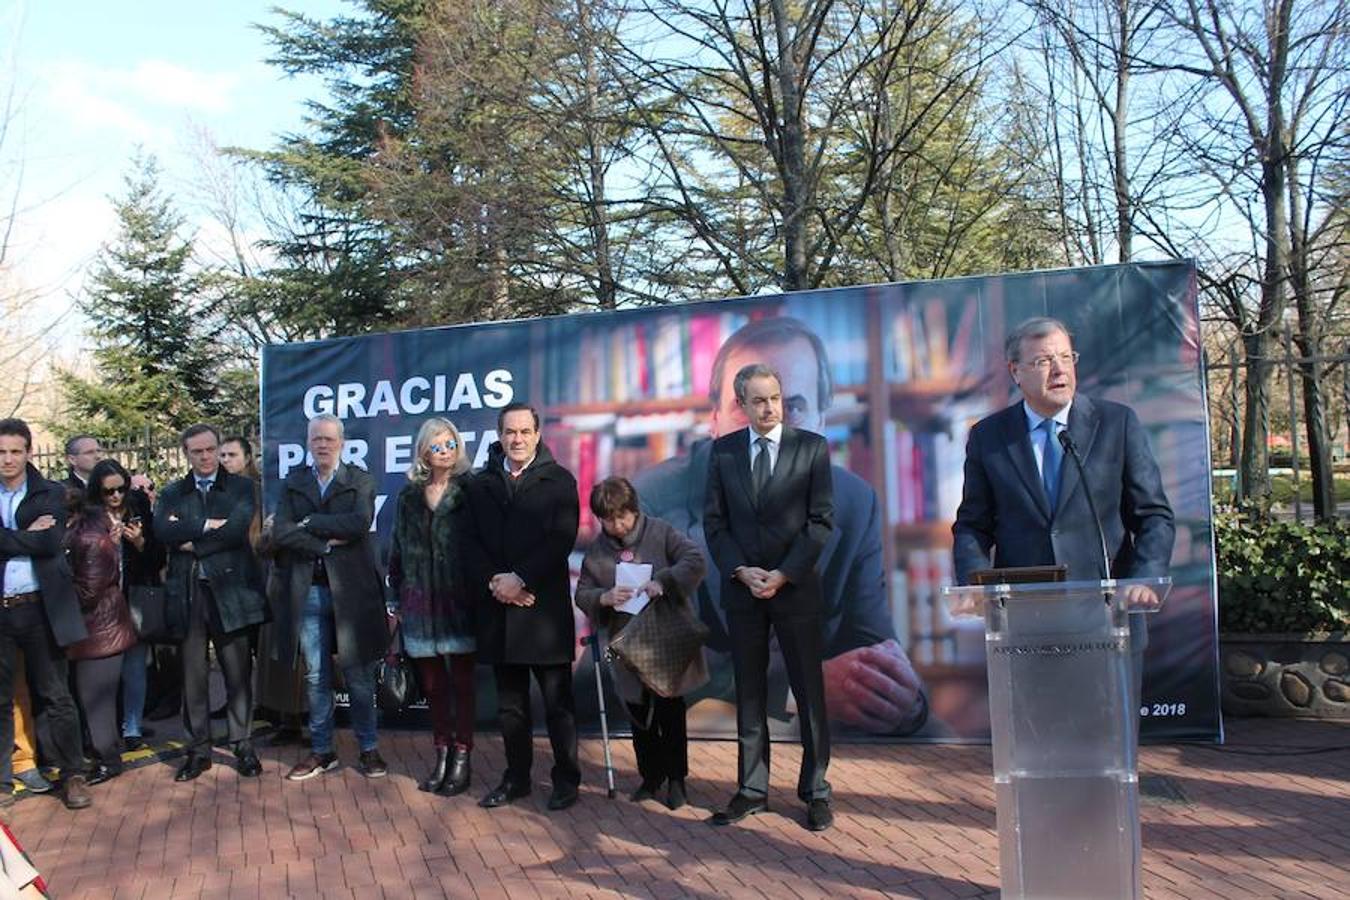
column 1071, row 447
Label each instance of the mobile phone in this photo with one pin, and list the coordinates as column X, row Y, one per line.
column 134, row 520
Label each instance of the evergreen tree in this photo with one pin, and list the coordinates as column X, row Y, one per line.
column 152, row 361
column 337, row 271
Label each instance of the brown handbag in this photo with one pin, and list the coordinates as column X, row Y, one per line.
column 659, row 643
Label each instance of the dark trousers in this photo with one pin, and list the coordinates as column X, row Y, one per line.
column 513, row 710
column 660, row 739
column 96, row 683
column 799, row 638
column 232, row 652
column 24, row 628
column 449, row 693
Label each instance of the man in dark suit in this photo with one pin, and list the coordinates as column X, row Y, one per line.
column 39, row 611
column 203, row 519
column 869, row 681
column 1024, row 500
column 327, row 593
column 767, row 514
column 521, row 522
column 83, row 452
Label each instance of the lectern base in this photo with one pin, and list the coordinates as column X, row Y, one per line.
column 1074, row 837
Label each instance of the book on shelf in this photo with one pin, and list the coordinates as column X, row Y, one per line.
column 925, row 469
column 921, row 346
column 934, row 636
column 669, row 357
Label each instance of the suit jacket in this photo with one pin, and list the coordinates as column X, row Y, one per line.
column 785, row 528
column 856, row 611
column 344, row 513
column 1004, row 506
column 47, row 550
column 222, row 553
column 530, row 531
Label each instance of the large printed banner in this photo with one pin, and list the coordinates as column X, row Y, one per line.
column 894, row 375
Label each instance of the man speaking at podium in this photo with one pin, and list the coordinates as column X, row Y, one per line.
column 1023, row 496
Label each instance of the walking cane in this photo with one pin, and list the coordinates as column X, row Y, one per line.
column 594, row 639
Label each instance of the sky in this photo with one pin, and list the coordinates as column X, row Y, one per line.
column 95, row 81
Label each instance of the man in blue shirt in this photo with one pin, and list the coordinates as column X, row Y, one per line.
column 38, row 610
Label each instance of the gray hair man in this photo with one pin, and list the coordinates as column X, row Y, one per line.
column 328, row 591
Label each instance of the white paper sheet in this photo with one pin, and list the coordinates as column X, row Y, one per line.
column 633, row 575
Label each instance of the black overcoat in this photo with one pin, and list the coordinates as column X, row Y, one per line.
column 344, row 513
column 222, row 553
column 529, row 531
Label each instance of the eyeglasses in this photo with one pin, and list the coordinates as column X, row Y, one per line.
column 1043, row 363
column 448, row 445
column 114, row 491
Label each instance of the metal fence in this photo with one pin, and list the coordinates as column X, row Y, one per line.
column 157, row 456
column 1286, row 437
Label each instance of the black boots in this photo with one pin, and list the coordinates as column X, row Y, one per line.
column 450, row 774
column 457, row 781
column 436, row 780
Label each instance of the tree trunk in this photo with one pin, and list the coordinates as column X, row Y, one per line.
column 1255, row 455
column 1120, row 115
column 1310, row 344
column 792, row 134
column 607, row 289
column 1254, row 471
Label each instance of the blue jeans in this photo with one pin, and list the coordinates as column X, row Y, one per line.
column 133, row 688
column 316, row 636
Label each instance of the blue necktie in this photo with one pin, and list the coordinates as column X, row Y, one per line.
column 1050, row 462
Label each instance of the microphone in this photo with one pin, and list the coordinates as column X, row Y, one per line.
column 1071, row 447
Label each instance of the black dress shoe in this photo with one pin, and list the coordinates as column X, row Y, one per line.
column 503, row 794
column 249, row 765
column 75, row 792
column 739, row 807
column 645, row 791
column 676, row 797
column 819, row 816
column 563, row 796
column 102, row 772
column 133, row 742
column 193, row 767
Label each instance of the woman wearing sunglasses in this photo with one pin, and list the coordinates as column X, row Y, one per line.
column 95, row 548
column 428, row 597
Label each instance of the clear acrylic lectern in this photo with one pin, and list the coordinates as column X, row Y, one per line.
column 1063, row 719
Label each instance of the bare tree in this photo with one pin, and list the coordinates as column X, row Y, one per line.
column 787, row 122
column 1100, row 157
column 27, row 334
column 1271, row 90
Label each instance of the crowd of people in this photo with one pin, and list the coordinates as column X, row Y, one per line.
column 114, row 592
column 113, row 596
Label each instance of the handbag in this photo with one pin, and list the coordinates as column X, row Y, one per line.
column 149, row 615
column 395, row 683
column 659, row 643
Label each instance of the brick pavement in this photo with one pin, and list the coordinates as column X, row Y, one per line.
column 1261, row 817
